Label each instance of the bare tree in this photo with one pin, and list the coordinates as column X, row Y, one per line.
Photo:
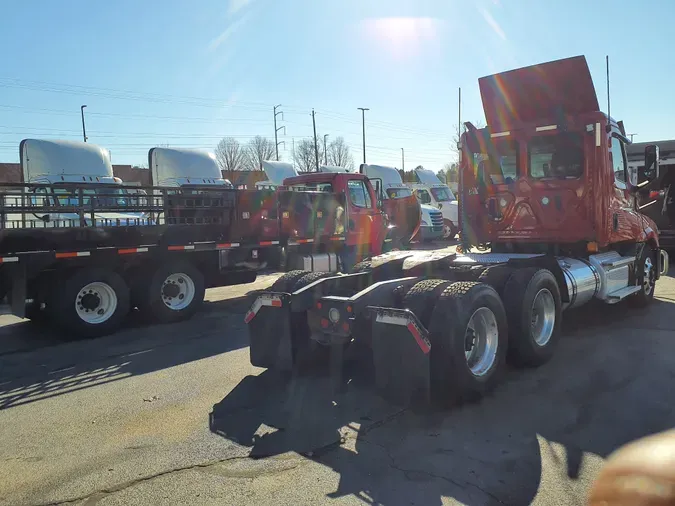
column 339, row 155
column 258, row 150
column 230, row 155
column 304, row 154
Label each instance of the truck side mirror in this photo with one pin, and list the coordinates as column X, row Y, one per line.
column 650, row 171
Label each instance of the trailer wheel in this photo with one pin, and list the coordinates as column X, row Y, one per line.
column 496, row 276
column 646, row 278
column 534, row 310
column 469, row 340
column 421, row 298
column 175, row 292
column 92, row 303
column 286, row 282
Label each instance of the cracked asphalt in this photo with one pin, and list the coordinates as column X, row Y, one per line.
column 176, row 415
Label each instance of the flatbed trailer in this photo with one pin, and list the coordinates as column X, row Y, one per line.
column 82, row 256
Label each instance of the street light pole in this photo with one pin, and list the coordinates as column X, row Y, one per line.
column 403, row 159
column 84, row 130
column 316, row 147
column 276, row 130
column 325, row 151
column 363, row 120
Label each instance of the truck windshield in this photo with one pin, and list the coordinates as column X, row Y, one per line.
column 101, row 196
column 398, row 193
column 497, row 164
column 556, row 156
column 442, row 194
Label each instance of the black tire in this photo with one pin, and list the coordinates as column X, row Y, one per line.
column 286, row 282
column 496, row 276
column 452, row 379
column 310, row 278
column 523, row 286
column 646, row 295
column 161, row 289
column 421, row 298
column 67, row 292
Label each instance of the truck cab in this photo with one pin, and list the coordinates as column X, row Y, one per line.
column 184, row 168
column 548, row 175
column 402, row 207
column 53, row 168
column 433, row 192
column 356, row 215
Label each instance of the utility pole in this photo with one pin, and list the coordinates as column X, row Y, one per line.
column 325, row 150
column 363, row 120
column 403, row 159
column 631, row 136
column 316, row 146
column 84, row 130
column 276, row 130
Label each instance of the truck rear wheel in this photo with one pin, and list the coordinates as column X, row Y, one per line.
column 646, row 278
column 421, row 298
column 534, row 310
column 469, row 339
column 175, row 292
column 92, row 303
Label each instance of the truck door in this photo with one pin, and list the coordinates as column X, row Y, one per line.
column 364, row 228
column 625, row 222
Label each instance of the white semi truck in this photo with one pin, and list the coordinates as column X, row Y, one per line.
column 392, row 188
column 52, row 166
column 433, row 192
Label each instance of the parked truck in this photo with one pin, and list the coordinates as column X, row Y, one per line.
column 433, row 192
column 396, row 200
column 545, row 197
column 656, row 196
column 360, row 222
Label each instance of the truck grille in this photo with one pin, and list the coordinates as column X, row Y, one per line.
column 436, row 220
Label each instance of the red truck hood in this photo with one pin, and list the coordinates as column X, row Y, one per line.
column 538, row 93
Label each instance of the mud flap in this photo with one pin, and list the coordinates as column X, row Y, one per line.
column 269, row 331
column 401, row 350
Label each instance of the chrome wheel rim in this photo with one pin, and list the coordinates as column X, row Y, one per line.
column 543, row 317
column 96, row 303
column 481, row 339
column 178, row 291
column 648, row 280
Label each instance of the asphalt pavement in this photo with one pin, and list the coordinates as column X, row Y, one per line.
column 175, row 414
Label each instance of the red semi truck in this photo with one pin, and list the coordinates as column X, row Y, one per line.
column 547, row 199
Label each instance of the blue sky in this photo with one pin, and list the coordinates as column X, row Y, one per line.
column 188, row 73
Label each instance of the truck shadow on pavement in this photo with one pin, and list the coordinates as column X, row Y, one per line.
column 540, row 438
column 67, row 366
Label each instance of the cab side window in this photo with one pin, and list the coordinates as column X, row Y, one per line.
column 424, row 196
column 358, row 194
column 618, row 159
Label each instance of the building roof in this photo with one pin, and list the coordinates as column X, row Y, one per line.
column 637, row 149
